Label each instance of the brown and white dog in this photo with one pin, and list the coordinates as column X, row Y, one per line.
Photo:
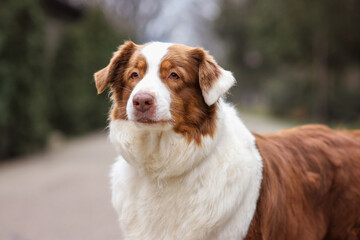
column 189, row 169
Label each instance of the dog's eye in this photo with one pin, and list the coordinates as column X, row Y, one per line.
column 174, row 76
column 134, row 75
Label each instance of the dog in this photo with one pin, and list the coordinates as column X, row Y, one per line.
column 188, row 168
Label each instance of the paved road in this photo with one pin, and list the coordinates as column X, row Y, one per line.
column 64, row 194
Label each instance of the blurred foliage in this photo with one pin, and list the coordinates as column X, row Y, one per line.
column 86, row 47
column 41, row 94
column 301, row 56
column 23, row 124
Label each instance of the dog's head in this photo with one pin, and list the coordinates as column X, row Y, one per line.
column 165, row 85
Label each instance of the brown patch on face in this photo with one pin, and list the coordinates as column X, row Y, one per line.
column 125, row 85
column 119, row 75
column 191, row 116
column 310, row 187
column 107, row 76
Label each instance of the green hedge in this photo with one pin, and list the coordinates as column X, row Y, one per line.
column 302, row 58
column 37, row 97
column 74, row 105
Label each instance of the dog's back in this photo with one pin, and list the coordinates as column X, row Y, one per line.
column 354, row 133
column 311, row 185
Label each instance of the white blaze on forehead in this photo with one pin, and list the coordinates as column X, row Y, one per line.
column 151, row 82
column 154, row 52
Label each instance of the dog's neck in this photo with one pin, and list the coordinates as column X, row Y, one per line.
column 157, row 151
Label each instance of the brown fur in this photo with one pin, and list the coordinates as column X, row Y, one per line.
column 192, row 117
column 124, row 85
column 310, row 187
column 209, row 71
column 114, row 71
column 117, row 75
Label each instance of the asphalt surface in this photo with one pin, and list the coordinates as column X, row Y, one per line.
column 64, row 192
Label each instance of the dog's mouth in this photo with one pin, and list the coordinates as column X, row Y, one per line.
column 147, row 120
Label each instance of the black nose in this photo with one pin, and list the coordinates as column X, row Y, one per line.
column 143, row 102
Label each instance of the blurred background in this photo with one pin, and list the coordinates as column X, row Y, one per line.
column 295, row 61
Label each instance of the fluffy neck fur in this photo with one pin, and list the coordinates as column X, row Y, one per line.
column 157, row 151
column 203, row 188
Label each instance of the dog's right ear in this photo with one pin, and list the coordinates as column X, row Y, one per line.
column 214, row 81
column 106, row 76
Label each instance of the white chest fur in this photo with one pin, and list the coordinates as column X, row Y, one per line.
column 169, row 189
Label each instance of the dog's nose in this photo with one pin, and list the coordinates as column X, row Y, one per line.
column 143, row 101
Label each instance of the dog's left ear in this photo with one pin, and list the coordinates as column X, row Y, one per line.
column 214, row 81
column 101, row 79
column 114, row 70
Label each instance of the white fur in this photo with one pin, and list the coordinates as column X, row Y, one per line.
column 219, row 88
column 165, row 188
column 151, row 82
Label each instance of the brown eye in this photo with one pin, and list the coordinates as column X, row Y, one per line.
column 174, row 76
column 134, row 75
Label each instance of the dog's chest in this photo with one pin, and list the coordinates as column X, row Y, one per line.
column 175, row 210
column 213, row 196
